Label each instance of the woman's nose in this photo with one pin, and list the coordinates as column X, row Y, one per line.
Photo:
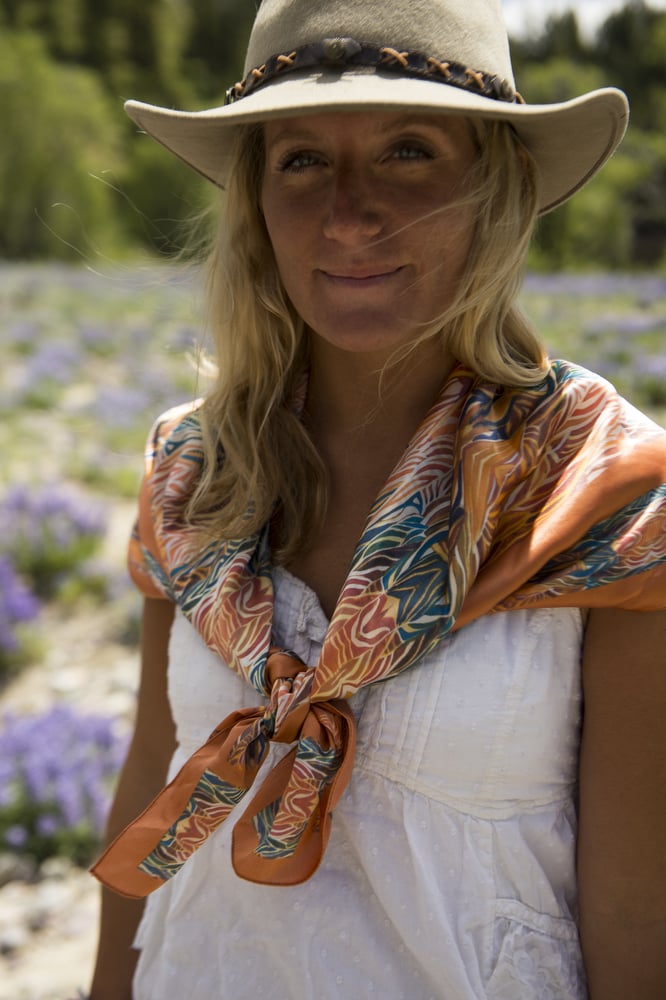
column 354, row 214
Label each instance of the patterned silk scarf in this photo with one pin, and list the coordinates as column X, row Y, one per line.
column 505, row 498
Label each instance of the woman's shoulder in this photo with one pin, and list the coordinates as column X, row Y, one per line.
column 173, row 428
column 174, row 455
column 572, row 392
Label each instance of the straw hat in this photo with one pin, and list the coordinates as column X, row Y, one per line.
column 306, row 56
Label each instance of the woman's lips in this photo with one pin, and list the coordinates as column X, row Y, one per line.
column 366, row 278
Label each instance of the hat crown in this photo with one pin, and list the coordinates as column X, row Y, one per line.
column 471, row 32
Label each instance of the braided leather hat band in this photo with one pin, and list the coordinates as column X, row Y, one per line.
column 340, row 53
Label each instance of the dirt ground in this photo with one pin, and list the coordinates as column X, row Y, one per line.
column 56, row 958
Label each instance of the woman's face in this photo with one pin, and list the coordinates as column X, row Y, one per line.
column 361, row 209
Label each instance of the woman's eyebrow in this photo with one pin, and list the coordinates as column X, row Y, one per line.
column 287, row 134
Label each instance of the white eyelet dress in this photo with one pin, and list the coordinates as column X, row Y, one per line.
column 450, row 872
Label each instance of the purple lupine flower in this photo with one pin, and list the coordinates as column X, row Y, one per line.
column 6, row 781
column 23, row 336
column 118, row 406
column 650, row 378
column 49, row 532
column 163, row 390
column 634, row 324
column 184, row 338
column 47, row 825
column 57, row 360
column 68, row 797
column 17, row 604
column 652, row 365
column 55, row 781
column 97, row 339
column 645, row 289
column 15, row 836
column 34, row 772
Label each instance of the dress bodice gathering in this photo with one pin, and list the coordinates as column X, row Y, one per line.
column 450, row 872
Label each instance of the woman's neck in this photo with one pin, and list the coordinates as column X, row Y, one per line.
column 359, row 394
column 361, row 424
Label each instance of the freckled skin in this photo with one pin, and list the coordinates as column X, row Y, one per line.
column 363, row 211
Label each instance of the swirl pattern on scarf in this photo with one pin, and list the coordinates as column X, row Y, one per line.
column 505, row 498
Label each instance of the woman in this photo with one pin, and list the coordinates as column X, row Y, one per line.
column 386, row 461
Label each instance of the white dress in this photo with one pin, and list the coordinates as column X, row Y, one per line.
column 450, row 872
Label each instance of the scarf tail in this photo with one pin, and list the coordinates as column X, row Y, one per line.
column 289, row 848
column 154, row 846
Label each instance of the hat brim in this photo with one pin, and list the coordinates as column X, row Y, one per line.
column 569, row 141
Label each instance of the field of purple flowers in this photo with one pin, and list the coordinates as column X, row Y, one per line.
column 89, row 360
column 612, row 323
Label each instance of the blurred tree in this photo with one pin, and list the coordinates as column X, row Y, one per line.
column 216, row 48
column 59, row 133
column 59, row 22
column 595, row 228
column 631, row 47
column 168, row 51
column 137, row 47
column 186, row 52
column 163, row 200
column 619, row 219
column 560, row 39
column 643, row 191
column 557, row 79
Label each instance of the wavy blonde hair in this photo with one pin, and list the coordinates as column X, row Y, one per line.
column 270, row 465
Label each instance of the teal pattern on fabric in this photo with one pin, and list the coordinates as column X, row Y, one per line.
column 211, row 797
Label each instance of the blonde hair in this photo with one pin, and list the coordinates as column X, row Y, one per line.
column 250, row 417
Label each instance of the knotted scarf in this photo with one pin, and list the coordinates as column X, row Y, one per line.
column 504, row 498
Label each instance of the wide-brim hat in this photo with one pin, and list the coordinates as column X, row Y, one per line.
column 420, row 56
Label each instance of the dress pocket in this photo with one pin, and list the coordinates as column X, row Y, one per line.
column 536, row 956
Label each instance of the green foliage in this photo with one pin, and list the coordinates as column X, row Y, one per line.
column 160, row 194
column 639, row 173
column 560, row 39
column 79, row 174
column 167, row 51
column 216, row 48
column 631, row 47
column 555, row 80
column 59, row 134
column 619, row 219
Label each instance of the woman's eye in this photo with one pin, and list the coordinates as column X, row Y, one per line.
column 297, row 162
column 411, row 151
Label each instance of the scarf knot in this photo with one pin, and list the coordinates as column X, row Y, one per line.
column 288, row 682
